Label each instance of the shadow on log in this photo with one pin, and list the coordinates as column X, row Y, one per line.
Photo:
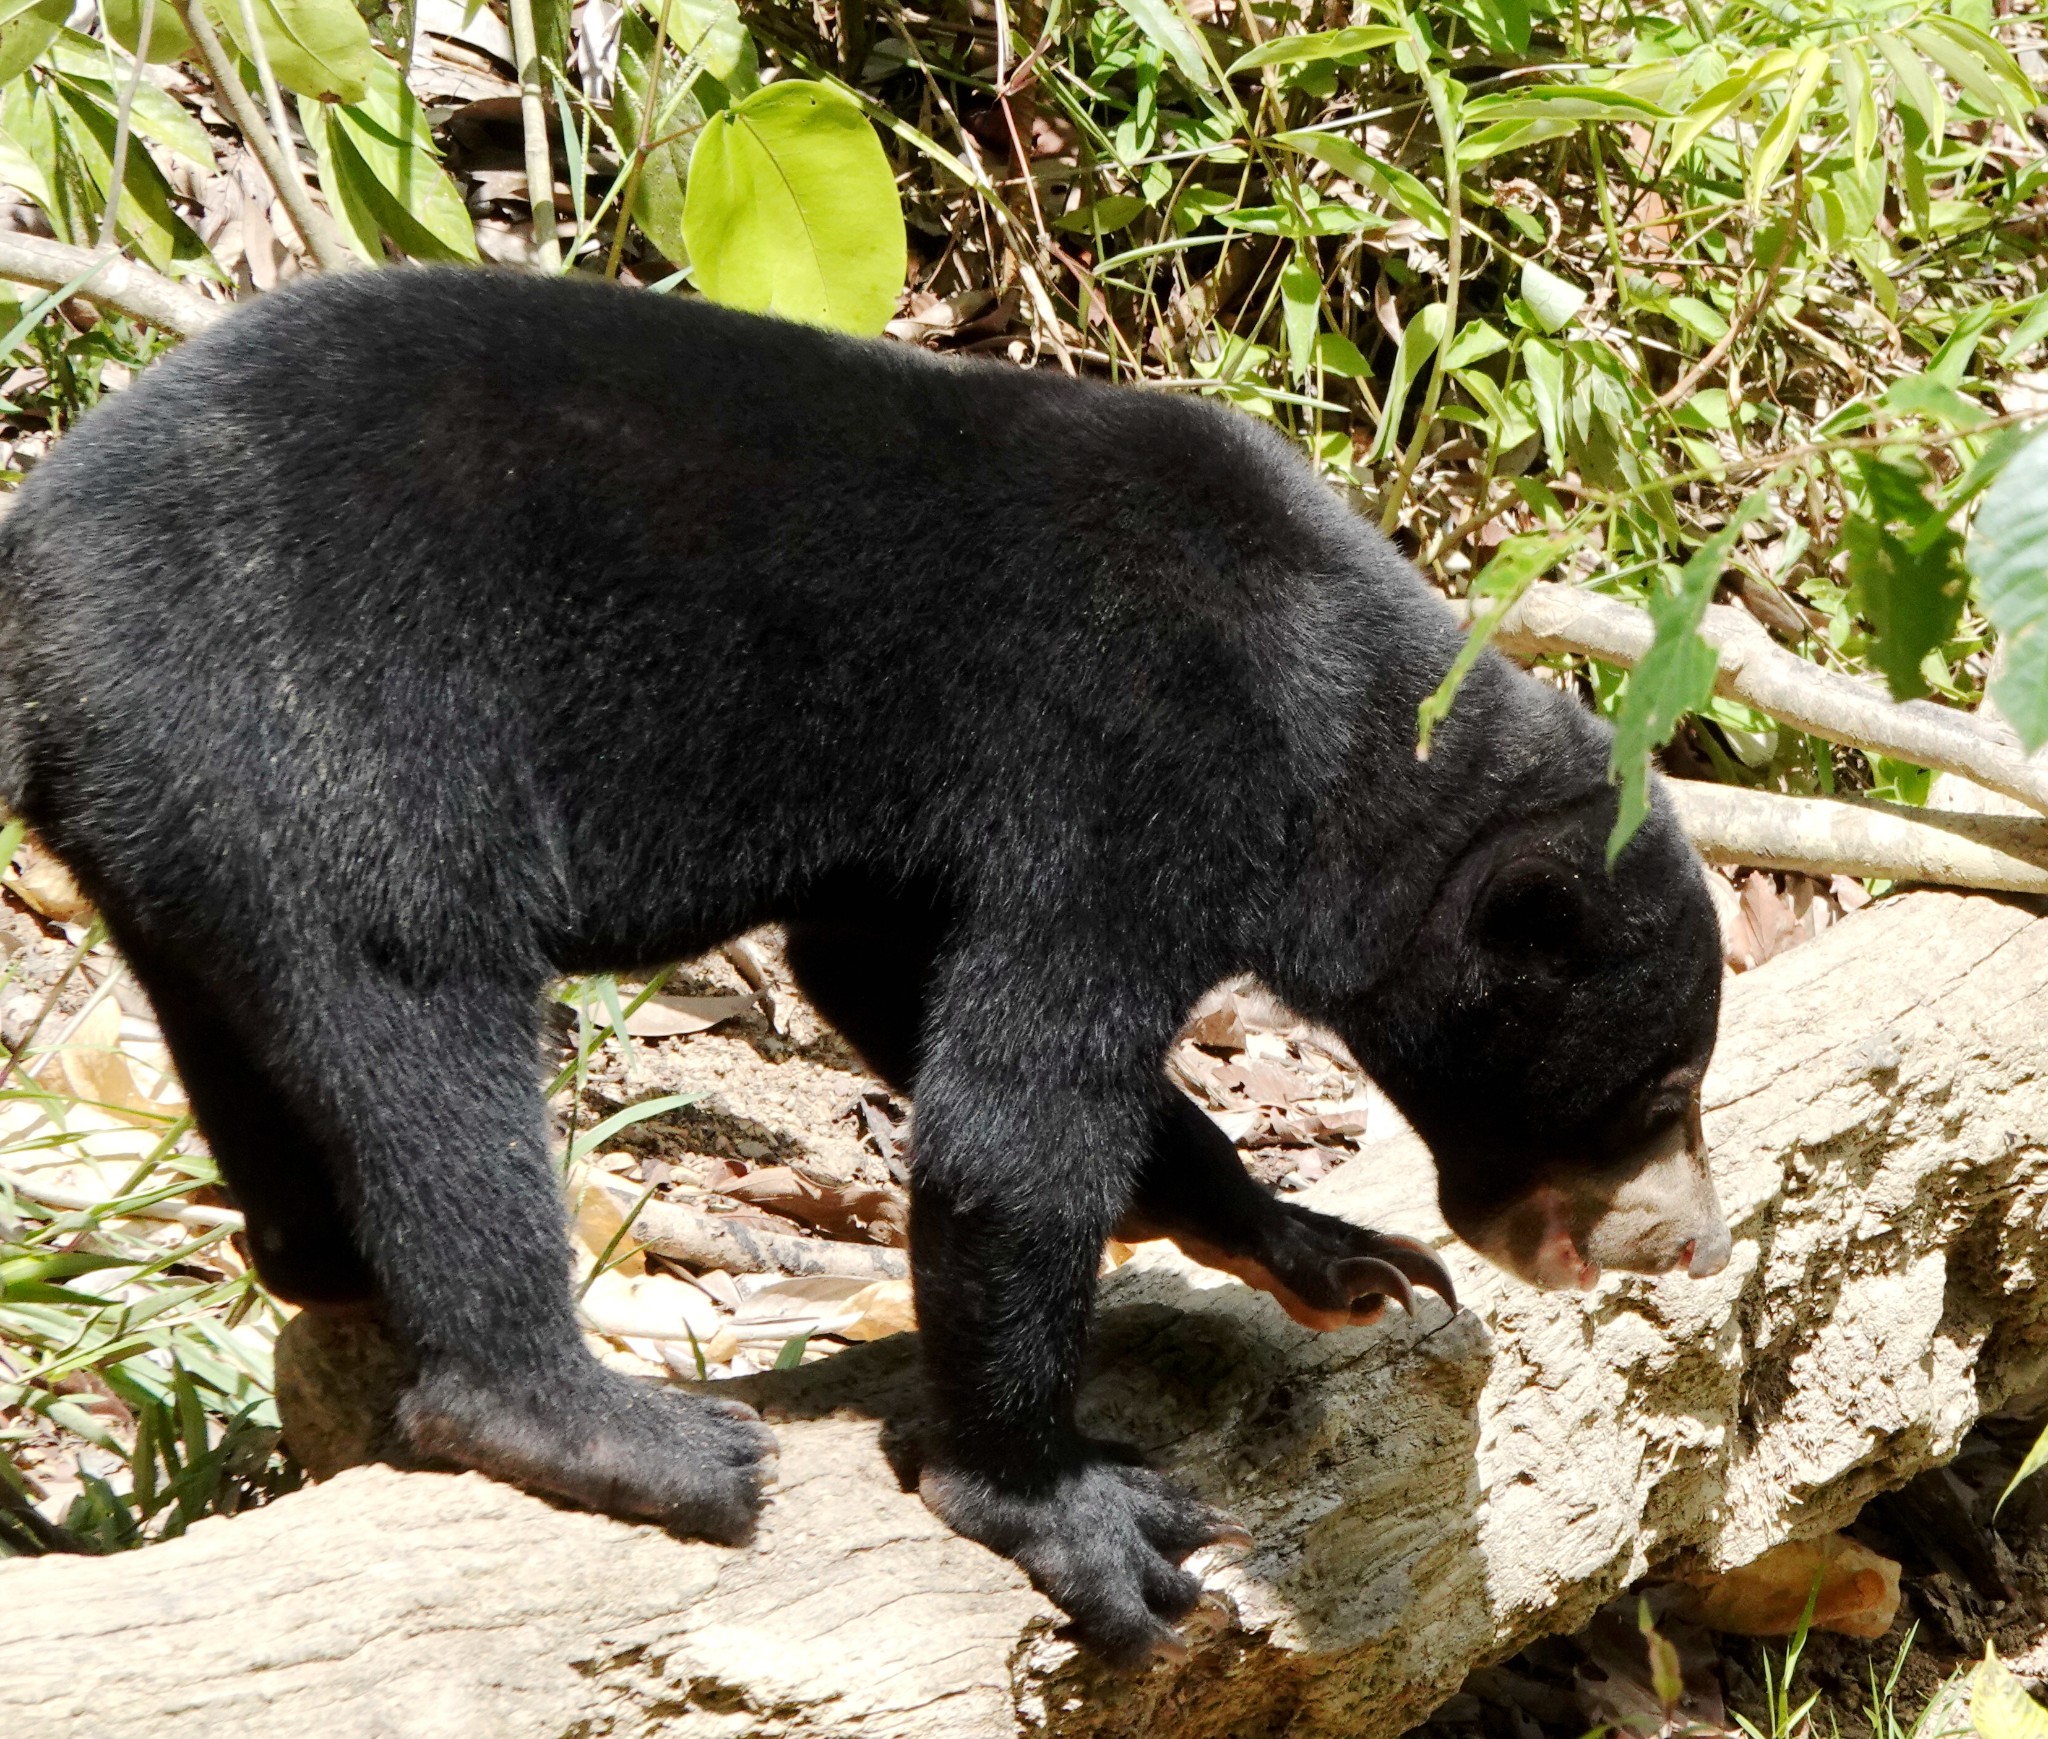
column 1427, row 1496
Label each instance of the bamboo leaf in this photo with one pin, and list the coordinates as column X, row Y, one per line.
column 1676, row 675
column 1318, row 45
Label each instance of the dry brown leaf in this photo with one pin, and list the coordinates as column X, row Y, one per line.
column 94, row 1066
column 663, row 1017
column 45, row 886
column 1859, row 1591
column 855, row 1212
column 1222, row 1027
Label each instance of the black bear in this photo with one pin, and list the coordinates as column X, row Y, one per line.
column 417, row 635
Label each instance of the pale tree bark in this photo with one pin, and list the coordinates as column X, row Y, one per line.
column 1426, row 1495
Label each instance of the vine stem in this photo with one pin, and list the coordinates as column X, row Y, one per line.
column 641, row 146
column 533, row 123
column 315, row 229
column 1454, row 265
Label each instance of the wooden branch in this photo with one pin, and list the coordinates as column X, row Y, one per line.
column 1426, row 1495
column 120, row 286
column 315, row 229
column 1757, row 671
column 1824, row 836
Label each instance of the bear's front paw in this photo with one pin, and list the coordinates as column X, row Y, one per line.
column 601, row 1441
column 1329, row 1274
column 1105, row 1543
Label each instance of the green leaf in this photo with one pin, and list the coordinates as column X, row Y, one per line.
column 167, row 38
column 1111, row 212
column 2031, row 1463
column 1917, row 91
column 1783, row 132
column 1301, row 309
column 146, row 216
column 1561, row 103
column 156, row 115
column 379, row 172
column 1906, row 586
column 1554, row 302
column 1396, row 186
column 1505, row 136
column 1170, row 30
column 792, row 210
column 1418, row 343
column 711, row 31
column 1676, row 675
column 1346, row 44
column 1329, row 218
column 1977, row 62
column 1517, row 564
column 18, row 168
column 28, row 35
column 317, row 48
column 1543, row 364
column 659, row 193
column 1476, row 340
column 1999, row 1705
column 2008, row 557
column 1699, row 318
column 1336, row 354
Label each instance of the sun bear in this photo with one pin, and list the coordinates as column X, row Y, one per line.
column 415, row 636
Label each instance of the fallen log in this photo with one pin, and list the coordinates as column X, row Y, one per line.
column 1426, row 1495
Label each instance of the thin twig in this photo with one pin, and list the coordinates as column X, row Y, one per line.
column 533, row 121
column 1738, row 322
column 122, row 125
column 641, row 145
column 273, row 94
column 315, row 229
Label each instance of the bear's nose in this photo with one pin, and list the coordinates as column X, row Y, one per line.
column 1706, row 1255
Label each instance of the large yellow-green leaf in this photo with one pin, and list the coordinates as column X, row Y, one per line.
column 378, row 168
column 792, row 210
column 317, row 48
column 167, row 38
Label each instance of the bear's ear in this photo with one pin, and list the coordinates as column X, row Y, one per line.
column 1532, row 912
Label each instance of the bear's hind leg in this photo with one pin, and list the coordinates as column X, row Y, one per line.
column 298, row 1235
column 421, row 1090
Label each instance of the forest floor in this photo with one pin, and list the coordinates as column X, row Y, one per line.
column 766, row 1123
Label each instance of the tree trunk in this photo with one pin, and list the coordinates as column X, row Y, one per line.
column 1426, row 1496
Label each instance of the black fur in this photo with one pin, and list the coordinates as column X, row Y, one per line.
column 415, row 636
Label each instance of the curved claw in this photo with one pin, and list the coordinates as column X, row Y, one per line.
column 1359, row 1276
column 1231, row 1532
column 1422, row 1265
